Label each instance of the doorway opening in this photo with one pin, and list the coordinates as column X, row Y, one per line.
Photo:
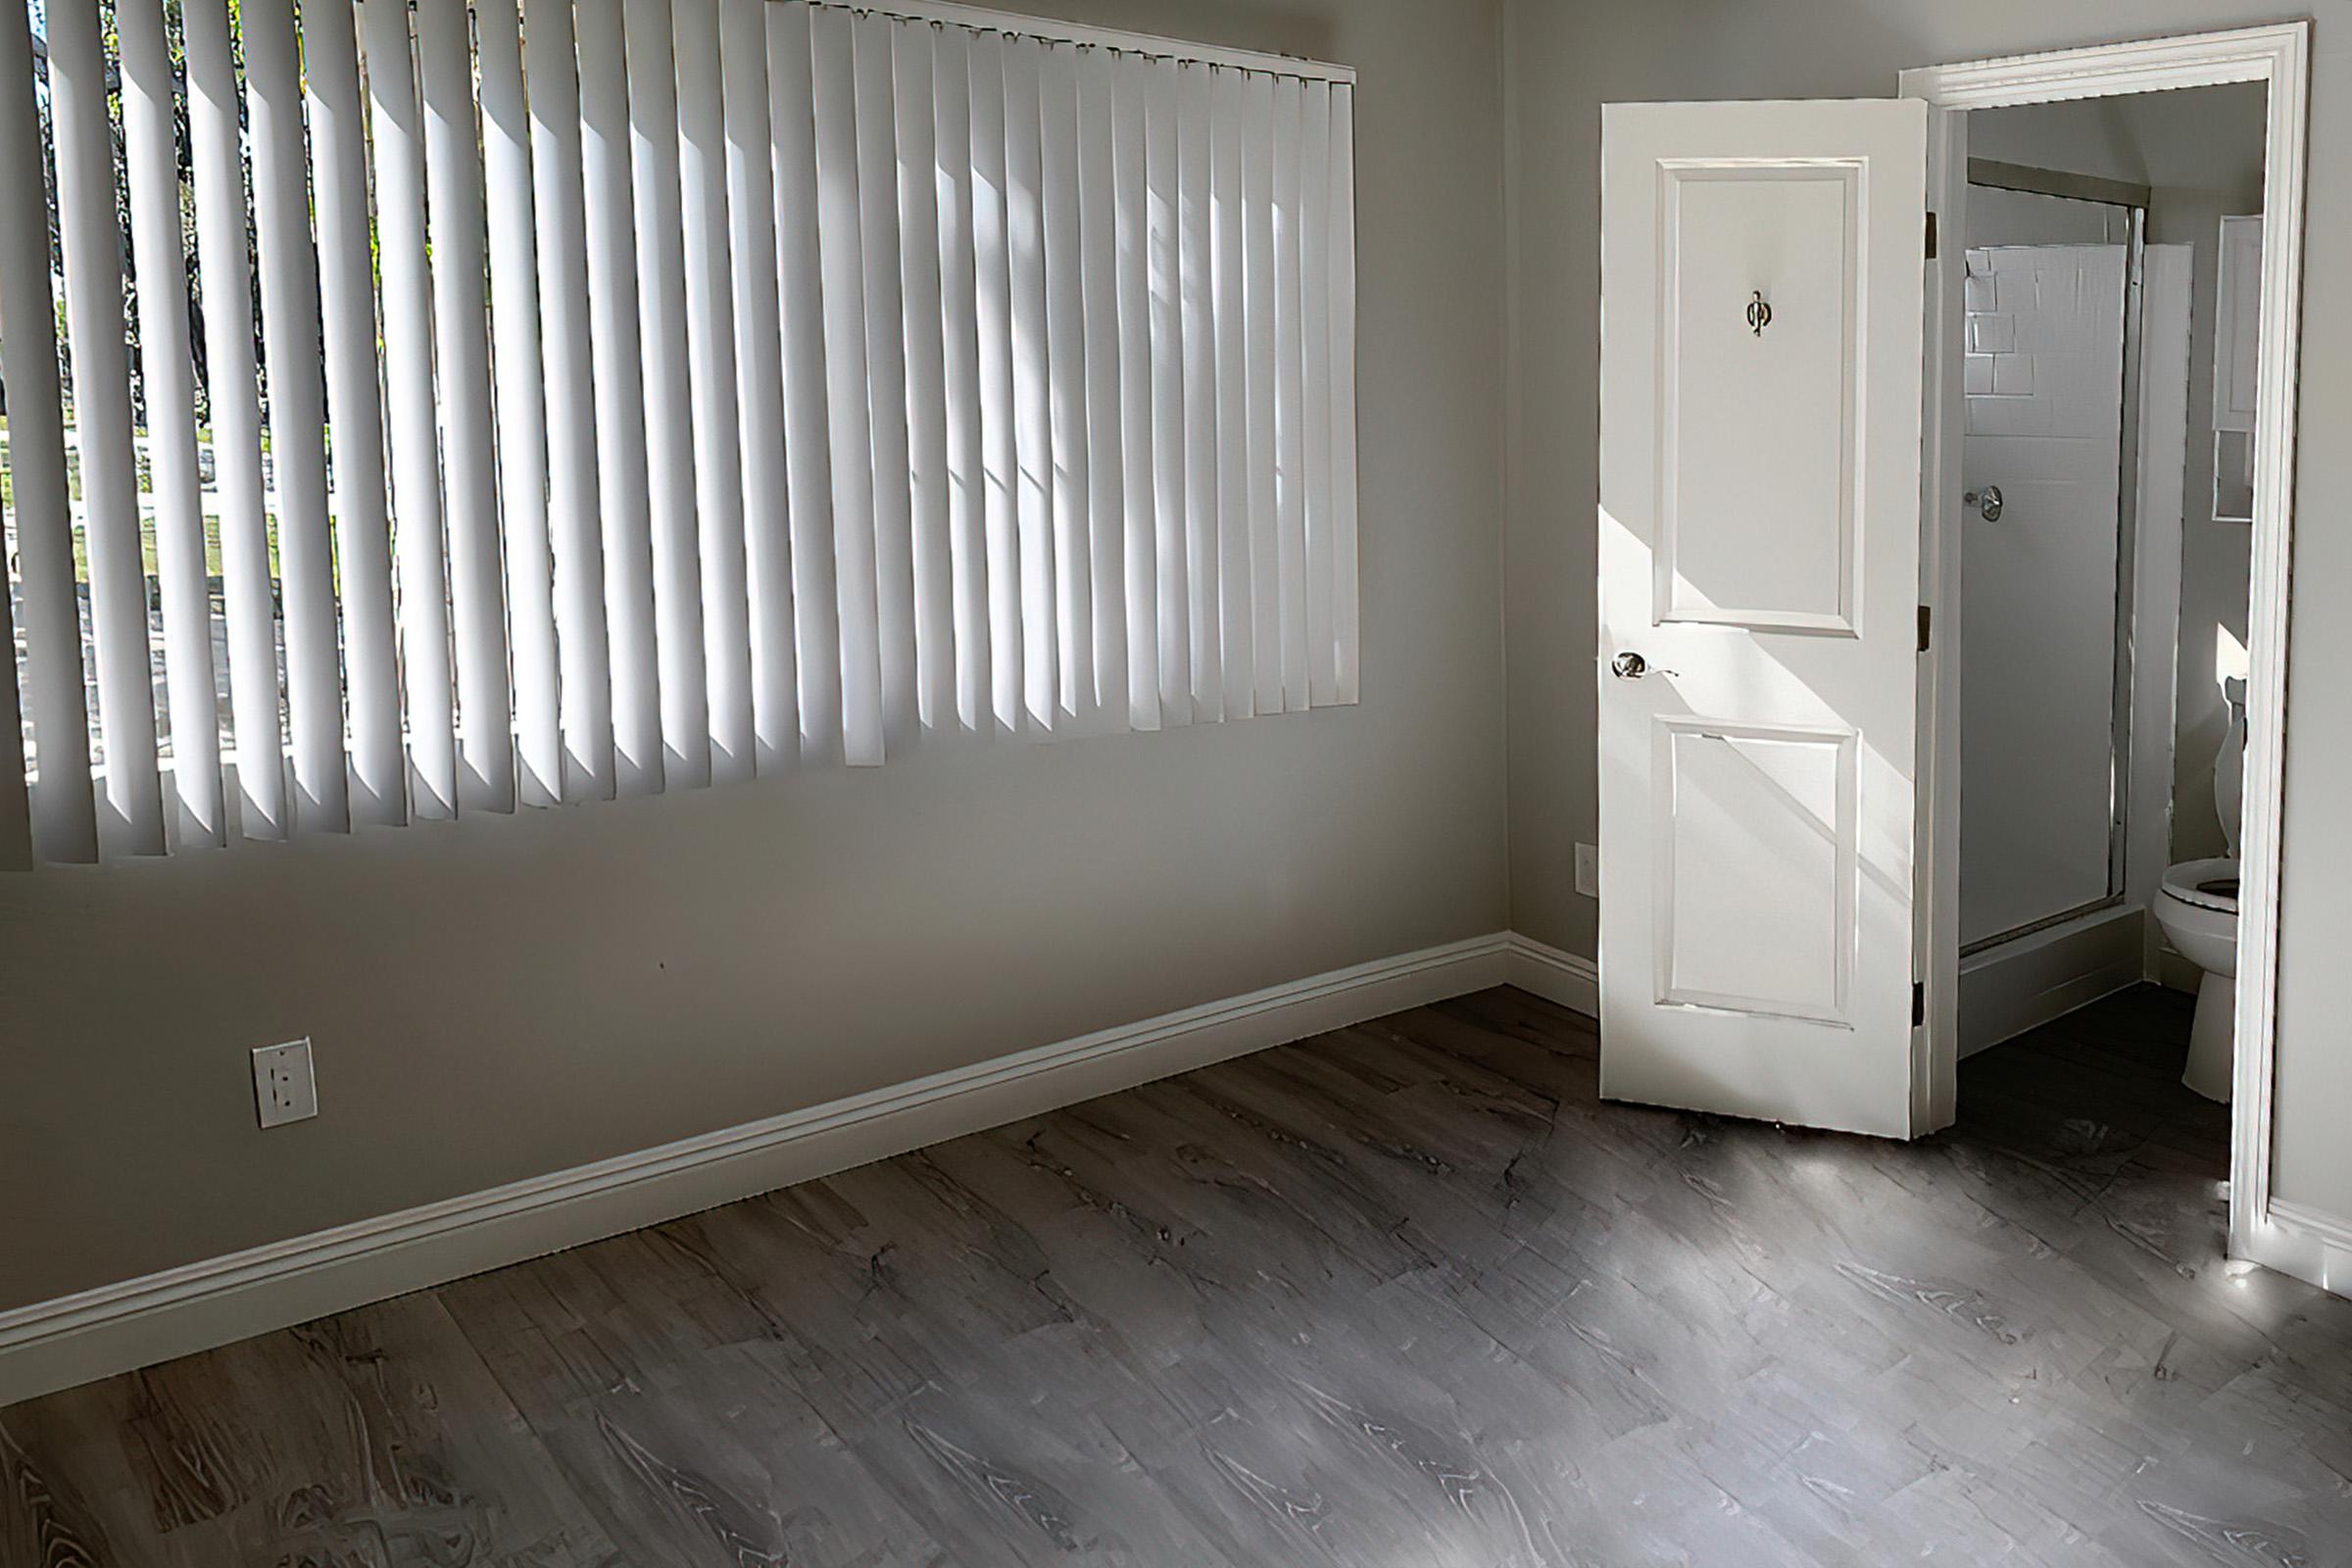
column 2105, row 558
column 2112, row 408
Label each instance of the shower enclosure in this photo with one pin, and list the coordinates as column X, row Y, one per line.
column 2056, row 302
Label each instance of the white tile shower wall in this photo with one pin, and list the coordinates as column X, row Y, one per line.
column 2044, row 384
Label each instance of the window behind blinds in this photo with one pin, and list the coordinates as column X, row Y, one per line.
column 540, row 401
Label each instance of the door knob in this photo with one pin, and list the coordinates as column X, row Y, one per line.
column 1988, row 501
column 1630, row 666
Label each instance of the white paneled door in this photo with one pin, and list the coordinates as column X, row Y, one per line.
column 1762, row 279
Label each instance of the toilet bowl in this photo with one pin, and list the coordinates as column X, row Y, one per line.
column 2197, row 908
column 2199, row 911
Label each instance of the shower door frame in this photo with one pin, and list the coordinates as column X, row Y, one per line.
column 2124, row 800
column 2262, row 1229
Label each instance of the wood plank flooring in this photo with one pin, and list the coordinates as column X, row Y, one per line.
column 1401, row 1294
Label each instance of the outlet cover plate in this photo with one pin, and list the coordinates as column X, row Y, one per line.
column 1587, row 870
column 283, row 1087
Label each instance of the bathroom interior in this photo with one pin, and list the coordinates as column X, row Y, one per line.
column 2114, row 250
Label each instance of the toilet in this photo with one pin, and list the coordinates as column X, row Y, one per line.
column 2197, row 908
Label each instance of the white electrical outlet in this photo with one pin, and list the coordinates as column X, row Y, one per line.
column 1587, row 870
column 283, row 1089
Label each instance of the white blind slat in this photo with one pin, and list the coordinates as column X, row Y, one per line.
column 520, row 390
column 1068, row 466
column 584, row 677
column 454, row 215
column 151, row 148
column 1000, row 446
column 216, row 121
column 846, row 393
column 1126, row 87
column 1168, row 454
column 914, row 103
column 1314, row 265
column 290, row 340
column 1341, row 302
column 355, row 415
column 1204, row 406
column 1237, row 623
column 1032, row 403
column 1105, row 474
column 396, row 126
column 669, row 410
column 16, row 800
column 953, row 165
column 886, row 373
column 807, row 442
column 131, row 816
column 64, row 812
column 1289, row 399
column 755, row 280
column 1261, row 590
column 622, row 472
column 726, row 591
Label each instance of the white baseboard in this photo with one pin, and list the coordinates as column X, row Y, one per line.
column 2315, row 1247
column 2021, row 985
column 114, row 1328
column 1553, row 974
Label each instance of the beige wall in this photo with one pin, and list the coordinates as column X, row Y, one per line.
column 505, row 997
column 1564, row 60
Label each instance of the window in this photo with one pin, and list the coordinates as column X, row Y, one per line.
column 541, row 401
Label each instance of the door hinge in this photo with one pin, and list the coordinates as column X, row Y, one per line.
column 1919, row 1002
column 1925, row 626
column 1930, row 236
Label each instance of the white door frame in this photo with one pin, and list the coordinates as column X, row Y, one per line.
column 2259, row 1229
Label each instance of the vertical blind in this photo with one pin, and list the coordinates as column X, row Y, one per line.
column 543, row 401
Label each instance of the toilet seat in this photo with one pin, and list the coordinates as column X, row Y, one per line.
column 2204, row 884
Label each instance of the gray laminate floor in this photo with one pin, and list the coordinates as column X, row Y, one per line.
column 1403, row 1294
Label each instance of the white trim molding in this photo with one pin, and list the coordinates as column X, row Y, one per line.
column 2279, row 56
column 2112, row 69
column 1553, row 973
column 2313, row 1247
column 114, row 1328
column 2025, row 983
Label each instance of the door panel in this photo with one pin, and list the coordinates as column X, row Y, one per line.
column 1761, row 325
column 1756, row 826
column 1746, row 481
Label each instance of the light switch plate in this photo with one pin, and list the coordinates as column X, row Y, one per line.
column 283, row 1088
column 1587, row 870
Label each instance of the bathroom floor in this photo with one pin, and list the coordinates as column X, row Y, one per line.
column 1401, row 1294
column 2099, row 1091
